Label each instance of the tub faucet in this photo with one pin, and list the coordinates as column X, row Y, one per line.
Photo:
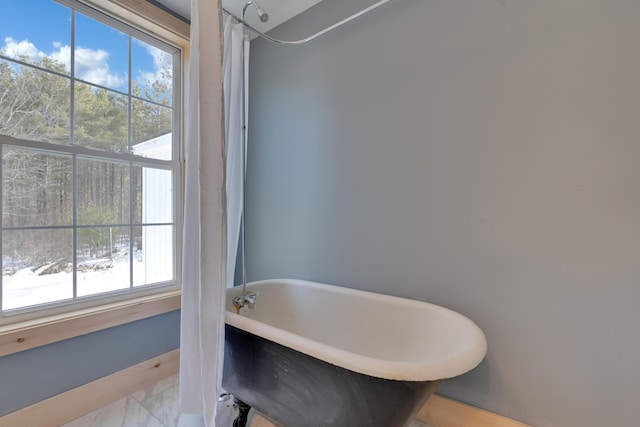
column 246, row 301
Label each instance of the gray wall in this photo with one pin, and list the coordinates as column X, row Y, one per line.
column 480, row 154
column 39, row 373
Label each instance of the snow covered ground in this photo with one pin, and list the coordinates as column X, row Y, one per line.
column 25, row 288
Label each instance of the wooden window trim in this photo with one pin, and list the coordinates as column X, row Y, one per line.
column 25, row 335
column 149, row 17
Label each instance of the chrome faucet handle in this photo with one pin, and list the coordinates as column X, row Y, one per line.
column 238, row 301
column 245, row 303
column 251, row 297
column 242, row 300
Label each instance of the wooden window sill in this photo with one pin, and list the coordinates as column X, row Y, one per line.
column 46, row 330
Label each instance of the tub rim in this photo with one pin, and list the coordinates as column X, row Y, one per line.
column 427, row 370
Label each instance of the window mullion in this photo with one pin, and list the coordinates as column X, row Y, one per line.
column 74, row 174
column 72, row 84
column 74, row 225
column 131, row 170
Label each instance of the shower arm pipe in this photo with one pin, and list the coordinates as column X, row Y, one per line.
column 316, row 35
column 243, row 166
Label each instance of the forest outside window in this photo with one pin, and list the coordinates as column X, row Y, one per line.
column 90, row 173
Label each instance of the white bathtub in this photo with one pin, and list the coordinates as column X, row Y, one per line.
column 373, row 335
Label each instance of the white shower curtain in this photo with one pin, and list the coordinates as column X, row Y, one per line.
column 233, row 71
column 204, row 235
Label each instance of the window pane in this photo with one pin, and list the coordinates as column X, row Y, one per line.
column 151, row 124
column 35, row 104
column 103, row 259
column 22, row 36
column 80, row 215
column 36, row 267
column 101, row 54
column 36, row 189
column 101, row 118
column 155, row 194
column 103, row 192
column 154, row 256
column 152, row 70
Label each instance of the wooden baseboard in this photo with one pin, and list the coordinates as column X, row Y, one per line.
column 74, row 403
column 440, row 411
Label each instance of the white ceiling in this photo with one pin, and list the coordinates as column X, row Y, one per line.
column 279, row 10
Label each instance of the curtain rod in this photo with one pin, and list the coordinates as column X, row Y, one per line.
column 313, row 36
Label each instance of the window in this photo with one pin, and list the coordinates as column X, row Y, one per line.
column 90, row 172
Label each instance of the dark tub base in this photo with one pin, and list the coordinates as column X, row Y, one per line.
column 293, row 389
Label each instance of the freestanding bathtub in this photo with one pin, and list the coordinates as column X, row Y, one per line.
column 316, row 355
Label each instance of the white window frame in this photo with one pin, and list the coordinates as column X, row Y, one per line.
column 56, row 321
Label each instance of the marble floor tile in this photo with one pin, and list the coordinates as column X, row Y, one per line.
column 156, row 388
column 165, row 406
column 224, row 418
column 126, row 412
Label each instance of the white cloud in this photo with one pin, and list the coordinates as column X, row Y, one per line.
column 161, row 62
column 62, row 55
column 23, row 48
column 90, row 64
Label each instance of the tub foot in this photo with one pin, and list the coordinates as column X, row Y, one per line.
column 243, row 413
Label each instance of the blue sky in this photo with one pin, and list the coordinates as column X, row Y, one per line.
column 39, row 28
